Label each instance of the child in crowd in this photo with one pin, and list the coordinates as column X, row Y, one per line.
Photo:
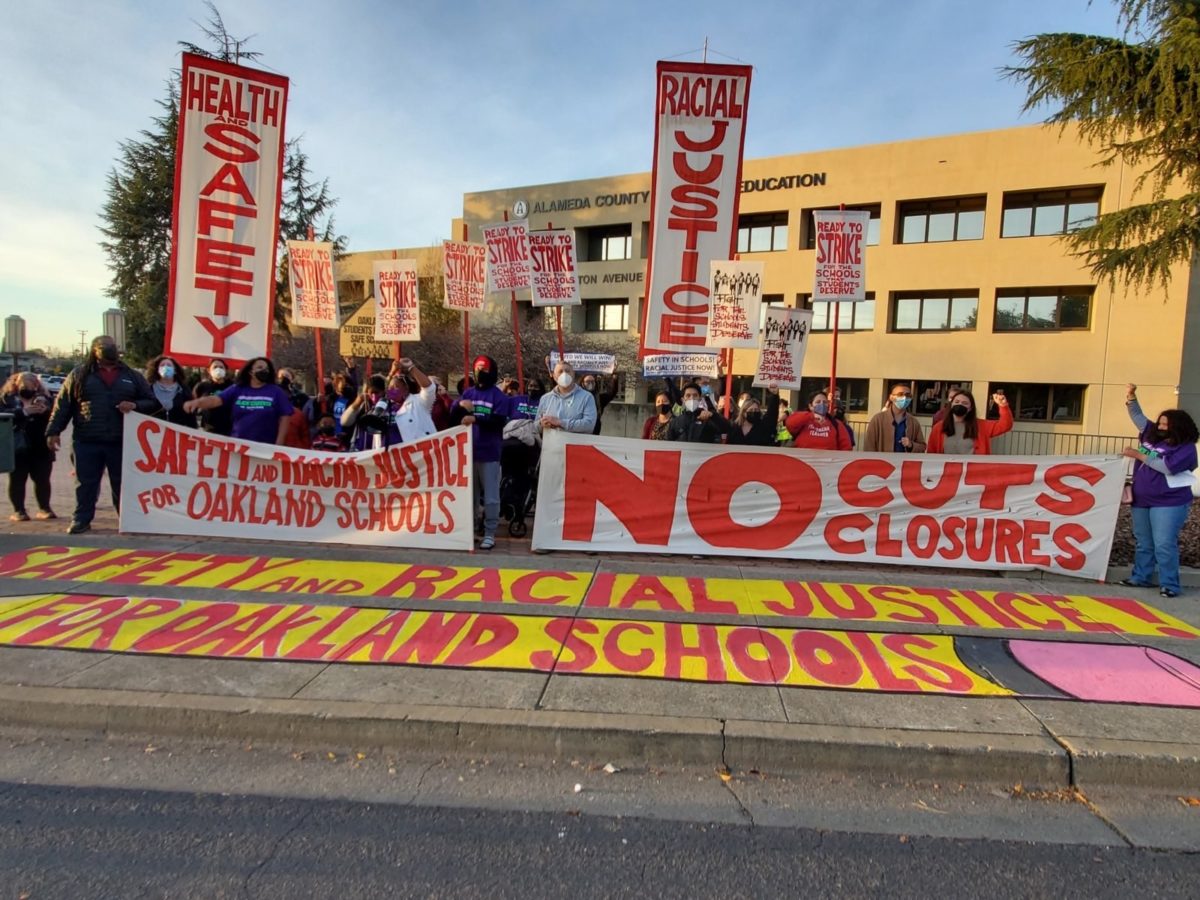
column 326, row 438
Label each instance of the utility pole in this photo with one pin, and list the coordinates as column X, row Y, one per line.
column 82, row 342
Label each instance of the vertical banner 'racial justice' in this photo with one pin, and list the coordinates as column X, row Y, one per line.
column 225, row 225
column 700, row 128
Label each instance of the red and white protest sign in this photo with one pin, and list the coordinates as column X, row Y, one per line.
column 464, row 267
column 310, row 279
column 735, row 292
column 784, row 342
column 1013, row 512
column 841, row 242
column 508, row 260
column 554, row 276
column 182, row 481
column 225, row 224
column 699, row 131
column 397, row 300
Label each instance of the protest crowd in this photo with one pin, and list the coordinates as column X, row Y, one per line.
column 350, row 413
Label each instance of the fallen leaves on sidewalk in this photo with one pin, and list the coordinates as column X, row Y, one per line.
column 1189, row 801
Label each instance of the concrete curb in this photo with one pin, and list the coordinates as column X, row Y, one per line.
column 769, row 747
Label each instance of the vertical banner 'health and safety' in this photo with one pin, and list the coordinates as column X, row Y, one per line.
column 312, row 285
column 397, row 300
column 225, row 224
column 181, row 481
column 698, row 139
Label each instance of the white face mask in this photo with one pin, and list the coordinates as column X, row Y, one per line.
column 691, row 404
column 564, row 379
column 217, row 373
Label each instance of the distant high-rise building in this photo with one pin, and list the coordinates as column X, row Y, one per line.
column 114, row 326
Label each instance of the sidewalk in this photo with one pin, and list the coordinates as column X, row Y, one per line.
column 1008, row 734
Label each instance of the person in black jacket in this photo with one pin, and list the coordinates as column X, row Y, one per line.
column 94, row 400
column 604, row 393
column 26, row 398
column 753, row 427
column 698, row 423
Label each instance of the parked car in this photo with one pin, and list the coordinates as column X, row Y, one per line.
column 52, row 383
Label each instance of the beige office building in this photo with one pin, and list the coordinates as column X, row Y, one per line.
column 968, row 281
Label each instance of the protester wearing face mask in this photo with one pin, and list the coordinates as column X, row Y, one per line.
column 816, row 429
column 698, row 423
column 325, row 439
column 164, row 376
column 485, row 408
column 345, row 391
column 754, row 426
column 27, row 400
column 895, row 429
column 298, row 431
column 1162, row 492
column 260, row 408
column 603, row 390
column 961, row 432
column 370, row 421
column 655, row 426
column 414, row 418
column 219, row 420
column 94, row 400
column 443, row 405
column 567, row 406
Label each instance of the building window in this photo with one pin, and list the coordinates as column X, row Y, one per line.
column 857, row 316
column 1037, row 213
column 645, row 240
column 768, row 300
column 1039, row 402
column 943, row 219
column 810, row 227
column 606, row 315
column 852, row 391
column 935, row 311
column 762, row 232
column 1043, row 309
column 604, row 242
column 927, row 396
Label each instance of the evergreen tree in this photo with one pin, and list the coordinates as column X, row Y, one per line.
column 1137, row 100
column 136, row 216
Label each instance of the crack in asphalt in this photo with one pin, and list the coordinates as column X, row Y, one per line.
column 270, row 855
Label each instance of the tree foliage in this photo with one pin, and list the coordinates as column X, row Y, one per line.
column 136, row 216
column 1137, row 100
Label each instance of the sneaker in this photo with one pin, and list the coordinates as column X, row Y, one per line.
column 1167, row 592
column 1129, row 582
column 21, row 516
column 79, row 527
column 487, row 543
column 45, row 514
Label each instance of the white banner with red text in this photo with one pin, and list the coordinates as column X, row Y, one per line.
column 554, row 275
column 177, row 480
column 310, row 279
column 995, row 512
column 225, row 222
column 464, row 267
column 841, row 261
column 508, row 260
column 735, row 291
column 699, row 131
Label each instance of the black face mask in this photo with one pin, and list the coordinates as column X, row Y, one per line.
column 755, row 415
column 27, row 394
column 959, row 410
column 108, row 353
column 1160, row 434
column 285, row 383
column 348, row 392
column 484, row 378
column 325, row 429
column 664, row 409
column 261, row 374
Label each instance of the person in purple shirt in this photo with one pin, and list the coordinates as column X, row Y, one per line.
column 260, row 408
column 1162, row 492
column 485, row 408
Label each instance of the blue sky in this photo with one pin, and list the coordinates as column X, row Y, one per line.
column 405, row 106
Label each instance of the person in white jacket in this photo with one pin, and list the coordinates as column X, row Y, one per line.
column 413, row 419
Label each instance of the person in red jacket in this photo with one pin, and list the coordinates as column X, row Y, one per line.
column 961, row 432
column 816, row 429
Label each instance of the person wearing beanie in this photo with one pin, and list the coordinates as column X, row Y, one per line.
column 485, row 408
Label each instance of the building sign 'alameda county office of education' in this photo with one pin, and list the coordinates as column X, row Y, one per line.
column 631, row 198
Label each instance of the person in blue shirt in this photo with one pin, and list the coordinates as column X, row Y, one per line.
column 568, row 406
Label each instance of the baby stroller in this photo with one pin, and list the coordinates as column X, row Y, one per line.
column 518, row 483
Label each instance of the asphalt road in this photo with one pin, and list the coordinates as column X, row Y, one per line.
column 103, row 842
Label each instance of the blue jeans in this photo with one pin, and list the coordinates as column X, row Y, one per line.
column 1156, row 533
column 91, row 459
column 487, row 478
